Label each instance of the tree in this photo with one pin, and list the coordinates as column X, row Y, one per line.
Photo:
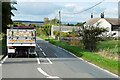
column 7, row 8
column 91, row 35
column 80, row 24
column 32, row 25
column 47, row 29
column 54, row 21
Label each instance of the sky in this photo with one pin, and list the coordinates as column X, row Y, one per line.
column 36, row 10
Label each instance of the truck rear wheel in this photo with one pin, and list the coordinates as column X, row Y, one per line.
column 9, row 55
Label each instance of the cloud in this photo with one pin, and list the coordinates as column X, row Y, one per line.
column 34, row 8
column 111, row 12
column 39, row 10
column 71, row 8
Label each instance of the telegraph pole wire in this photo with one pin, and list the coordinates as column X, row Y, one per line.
column 85, row 9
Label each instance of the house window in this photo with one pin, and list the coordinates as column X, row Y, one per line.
column 116, row 28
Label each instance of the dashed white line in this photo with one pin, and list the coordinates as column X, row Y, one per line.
column 41, row 49
column 4, row 59
column 44, row 54
column 45, row 74
column 38, row 61
column 49, row 60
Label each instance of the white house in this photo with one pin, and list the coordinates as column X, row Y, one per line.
column 111, row 24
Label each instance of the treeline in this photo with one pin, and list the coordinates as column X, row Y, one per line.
column 7, row 8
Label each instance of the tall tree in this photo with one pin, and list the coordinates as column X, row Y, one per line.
column 7, row 8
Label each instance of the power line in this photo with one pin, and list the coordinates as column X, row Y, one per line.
column 85, row 9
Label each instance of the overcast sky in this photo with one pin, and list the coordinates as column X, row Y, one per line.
column 36, row 10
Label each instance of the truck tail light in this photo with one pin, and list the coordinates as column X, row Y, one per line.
column 13, row 40
column 10, row 47
column 29, row 40
column 32, row 34
column 32, row 47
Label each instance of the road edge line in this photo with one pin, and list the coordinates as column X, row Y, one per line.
column 4, row 59
column 84, row 60
column 87, row 62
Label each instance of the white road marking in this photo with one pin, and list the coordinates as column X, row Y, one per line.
column 49, row 60
column 45, row 74
column 52, row 77
column 38, row 61
column 88, row 62
column 44, row 54
column 4, row 59
column 41, row 49
column 0, row 64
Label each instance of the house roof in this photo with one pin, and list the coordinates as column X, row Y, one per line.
column 112, row 21
column 92, row 21
column 65, row 28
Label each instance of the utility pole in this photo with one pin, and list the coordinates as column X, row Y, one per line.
column 60, row 24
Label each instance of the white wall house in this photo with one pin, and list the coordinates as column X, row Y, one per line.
column 111, row 24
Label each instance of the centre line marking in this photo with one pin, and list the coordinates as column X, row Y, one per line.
column 45, row 74
column 49, row 60
column 41, row 49
column 44, row 54
column 38, row 61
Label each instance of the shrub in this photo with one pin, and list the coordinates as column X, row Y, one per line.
column 90, row 36
column 47, row 29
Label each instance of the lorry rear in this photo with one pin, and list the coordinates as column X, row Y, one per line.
column 21, row 42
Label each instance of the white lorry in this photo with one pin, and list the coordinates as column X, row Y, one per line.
column 21, row 41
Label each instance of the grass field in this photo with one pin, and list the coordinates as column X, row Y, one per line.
column 108, row 64
column 110, row 44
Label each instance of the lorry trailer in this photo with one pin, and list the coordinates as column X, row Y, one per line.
column 21, row 41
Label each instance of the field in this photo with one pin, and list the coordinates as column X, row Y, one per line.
column 108, row 45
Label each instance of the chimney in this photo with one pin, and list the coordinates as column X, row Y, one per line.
column 102, row 15
column 91, row 15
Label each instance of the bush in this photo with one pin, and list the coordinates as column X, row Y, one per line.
column 56, row 33
column 90, row 36
column 47, row 29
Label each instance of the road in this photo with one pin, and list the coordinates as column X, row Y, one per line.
column 51, row 62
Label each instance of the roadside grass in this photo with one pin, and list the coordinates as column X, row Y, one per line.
column 109, row 44
column 108, row 64
column 2, row 47
column 2, row 44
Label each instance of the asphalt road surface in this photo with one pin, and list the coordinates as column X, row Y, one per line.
column 51, row 62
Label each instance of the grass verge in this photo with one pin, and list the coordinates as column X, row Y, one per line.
column 109, row 44
column 108, row 64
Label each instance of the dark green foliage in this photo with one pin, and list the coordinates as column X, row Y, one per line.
column 80, row 24
column 47, row 29
column 6, row 14
column 31, row 25
column 56, row 33
column 54, row 21
column 91, row 36
column 68, row 24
